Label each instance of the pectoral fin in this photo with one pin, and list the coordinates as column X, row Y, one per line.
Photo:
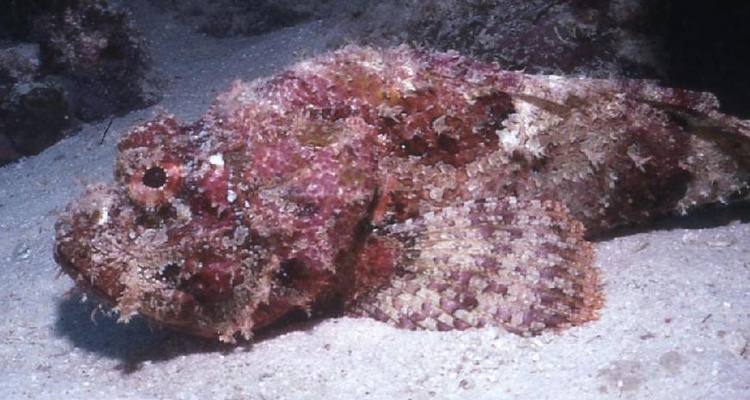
column 521, row 265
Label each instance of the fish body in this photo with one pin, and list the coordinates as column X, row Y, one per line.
column 426, row 190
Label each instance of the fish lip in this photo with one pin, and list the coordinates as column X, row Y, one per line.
column 66, row 265
column 79, row 277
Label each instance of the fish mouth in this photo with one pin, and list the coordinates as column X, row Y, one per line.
column 79, row 275
column 105, row 294
column 63, row 261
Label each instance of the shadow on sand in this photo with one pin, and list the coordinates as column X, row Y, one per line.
column 89, row 327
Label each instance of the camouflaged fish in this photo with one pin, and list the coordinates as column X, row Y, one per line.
column 426, row 190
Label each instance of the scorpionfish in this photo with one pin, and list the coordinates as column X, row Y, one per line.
column 424, row 189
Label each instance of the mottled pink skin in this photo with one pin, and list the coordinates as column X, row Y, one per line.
column 426, row 190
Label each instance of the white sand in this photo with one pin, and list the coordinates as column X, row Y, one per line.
column 676, row 324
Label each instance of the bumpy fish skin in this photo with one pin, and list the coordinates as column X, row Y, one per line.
column 422, row 189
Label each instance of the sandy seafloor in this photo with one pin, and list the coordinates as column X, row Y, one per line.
column 676, row 324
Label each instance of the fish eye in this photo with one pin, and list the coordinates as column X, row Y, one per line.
column 154, row 177
column 157, row 184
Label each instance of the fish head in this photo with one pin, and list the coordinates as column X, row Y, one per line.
column 219, row 230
